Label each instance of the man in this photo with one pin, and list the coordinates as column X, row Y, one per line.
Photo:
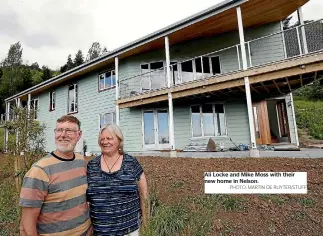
column 53, row 194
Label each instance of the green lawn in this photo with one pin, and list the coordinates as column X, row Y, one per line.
column 309, row 116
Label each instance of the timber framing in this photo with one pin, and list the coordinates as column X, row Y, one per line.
column 277, row 76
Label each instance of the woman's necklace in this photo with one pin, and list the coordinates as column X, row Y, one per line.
column 112, row 165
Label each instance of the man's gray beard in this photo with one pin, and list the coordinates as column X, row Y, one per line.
column 70, row 148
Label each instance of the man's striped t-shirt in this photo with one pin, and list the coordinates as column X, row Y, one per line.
column 58, row 187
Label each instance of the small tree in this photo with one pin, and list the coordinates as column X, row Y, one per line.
column 29, row 141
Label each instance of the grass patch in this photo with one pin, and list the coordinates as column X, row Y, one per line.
column 309, row 117
column 299, row 215
column 275, row 199
column 175, row 185
column 307, row 202
column 9, row 212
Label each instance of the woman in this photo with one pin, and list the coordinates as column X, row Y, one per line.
column 117, row 188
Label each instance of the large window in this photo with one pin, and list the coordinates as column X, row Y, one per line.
column 72, row 98
column 107, row 118
column 208, row 120
column 52, row 98
column 107, row 80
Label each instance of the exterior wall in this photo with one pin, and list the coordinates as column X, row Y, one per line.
column 236, row 121
column 91, row 103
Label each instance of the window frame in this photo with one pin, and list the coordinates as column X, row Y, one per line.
column 214, row 122
column 75, row 99
column 32, row 106
column 52, row 100
column 104, row 114
column 104, row 83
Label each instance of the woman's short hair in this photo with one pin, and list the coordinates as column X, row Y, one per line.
column 115, row 131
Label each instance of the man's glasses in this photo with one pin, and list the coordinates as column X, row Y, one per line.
column 67, row 131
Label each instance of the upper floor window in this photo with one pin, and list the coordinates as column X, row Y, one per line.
column 208, row 120
column 52, row 101
column 34, row 107
column 107, row 80
column 107, row 118
column 72, row 98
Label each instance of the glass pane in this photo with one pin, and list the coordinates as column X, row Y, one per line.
column 75, row 100
column 198, row 65
column 113, row 78
column 71, row 99
column 158, row 79
column 208, row 124
column 149, row 131
column 206, row 65
column 216, row 69
column 163, row 134
column 255, row 113
column 108, row 80
column 156, row 65
column 222, row 130
column 101, row 82
column 219, row 108
column 195, row 109
column 196, row 125
column 101, row 121
column 187, row 71
column 144, row 67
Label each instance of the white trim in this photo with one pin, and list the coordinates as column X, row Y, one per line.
column 116, row 66
column 105, row 86
column 75, row 98
column 52, row 100
column 278, row 122
column 250, row 114
column 215, row 125
column 156, row 145
column 170, row 99
column 242, row 40
column 299, row 42
column 283, row 37
column 113, row 113
column 294, row 118
column 301, row 21
column 246, row 81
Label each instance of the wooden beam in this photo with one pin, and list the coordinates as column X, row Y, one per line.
column 144, row 101
column 286, row 73
column 290, row 88
column 277, row 87
column 315, row 75
column 301, row 79
column 242, row 89
column 265, row 87
column 254, row 89
column 213, row 87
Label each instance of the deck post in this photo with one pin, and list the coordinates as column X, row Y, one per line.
column 6, row 137
column 17, row 132
column 246, row 80
column 116, row 62
column 28, row 105
column 301, row 21
column 170, row 100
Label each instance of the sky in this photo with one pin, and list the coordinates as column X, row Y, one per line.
column 50, row 30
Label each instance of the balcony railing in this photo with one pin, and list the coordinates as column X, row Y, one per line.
column 260, row 51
